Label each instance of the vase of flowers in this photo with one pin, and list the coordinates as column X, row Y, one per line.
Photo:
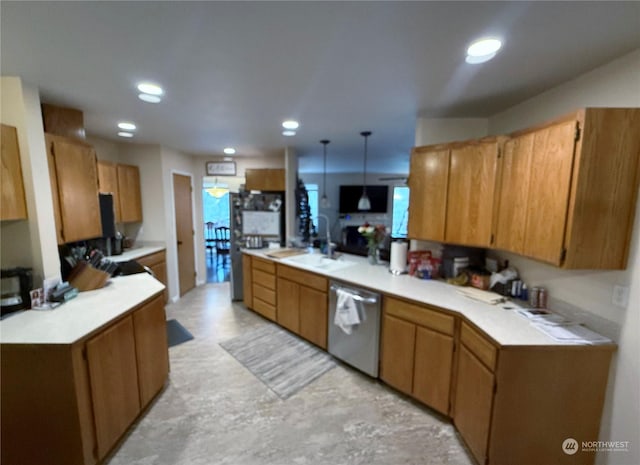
column 374, row 235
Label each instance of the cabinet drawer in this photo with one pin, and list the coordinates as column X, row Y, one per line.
column 264, row 265
column 479, row 346
column 264, row 279
column 262, row 293
column 303, row 277
column 264, row 309
column 420, row 315
column 152, row 259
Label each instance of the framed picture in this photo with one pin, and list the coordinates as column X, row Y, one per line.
column 221, row 168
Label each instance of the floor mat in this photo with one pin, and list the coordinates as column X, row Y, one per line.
column 282, row 361
column 176, row 333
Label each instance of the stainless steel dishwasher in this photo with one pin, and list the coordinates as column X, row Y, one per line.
column 360, row 348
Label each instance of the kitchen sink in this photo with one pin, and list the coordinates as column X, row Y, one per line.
column 316, row 261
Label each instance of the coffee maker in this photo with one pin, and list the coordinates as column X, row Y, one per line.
column 16, row 284
column 111, row 241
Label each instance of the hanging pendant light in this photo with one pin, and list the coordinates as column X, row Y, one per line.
column 364, row 203
column 324, row 200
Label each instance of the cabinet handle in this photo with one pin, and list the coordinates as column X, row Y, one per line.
column 179, row 242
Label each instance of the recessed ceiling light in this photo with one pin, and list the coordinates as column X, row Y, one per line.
column 127, row 126
column 484, row 47
column 125, row 134
column 229, row 150
column 290, row 124
column 149, row 98
column 288, row 133
column 477, row 60
column 227, row 159
column 150, row 88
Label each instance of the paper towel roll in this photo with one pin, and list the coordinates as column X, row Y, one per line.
column 398, row 260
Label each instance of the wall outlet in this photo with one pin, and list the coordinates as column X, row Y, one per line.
column 620, row 297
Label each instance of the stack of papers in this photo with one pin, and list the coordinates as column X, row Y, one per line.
column 561, row 329
column 573, row 334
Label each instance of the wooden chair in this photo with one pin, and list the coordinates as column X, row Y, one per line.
column 223, row 241
column 210, row 238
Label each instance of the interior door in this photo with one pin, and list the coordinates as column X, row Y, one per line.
column 184, row 232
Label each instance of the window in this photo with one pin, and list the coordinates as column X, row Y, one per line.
column 312, row 192
column 215, row 205
column 400, row 216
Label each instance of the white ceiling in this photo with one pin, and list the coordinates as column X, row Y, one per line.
column 233, row 71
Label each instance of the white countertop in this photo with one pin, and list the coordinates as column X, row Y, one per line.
column 506, row 327
column 136, row 252
column 75, row 319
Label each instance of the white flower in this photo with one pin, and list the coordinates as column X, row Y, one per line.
column 361, row 229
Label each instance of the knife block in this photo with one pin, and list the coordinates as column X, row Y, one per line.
column 85, row 277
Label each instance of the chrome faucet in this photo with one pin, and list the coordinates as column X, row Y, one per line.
column 326, row 219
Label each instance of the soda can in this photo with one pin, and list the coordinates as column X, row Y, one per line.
column 534, row 296
column 542, row 298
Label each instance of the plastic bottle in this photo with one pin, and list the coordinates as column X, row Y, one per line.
column 524, row 293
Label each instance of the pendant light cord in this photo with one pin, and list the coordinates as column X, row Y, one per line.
column 324, row 169
column 365, row 134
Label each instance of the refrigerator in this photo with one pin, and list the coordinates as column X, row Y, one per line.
column 256, row 219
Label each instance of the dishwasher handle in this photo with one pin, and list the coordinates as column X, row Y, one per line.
column 357, row 297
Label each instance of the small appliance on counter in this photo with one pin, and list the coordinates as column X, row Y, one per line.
column 16, row 285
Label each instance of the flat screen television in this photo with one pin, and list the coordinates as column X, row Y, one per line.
column 350, row 195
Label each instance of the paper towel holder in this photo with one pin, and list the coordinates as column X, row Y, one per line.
column 393, row 268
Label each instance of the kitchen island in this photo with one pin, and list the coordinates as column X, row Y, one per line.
column 75, row 378
column 514, row 393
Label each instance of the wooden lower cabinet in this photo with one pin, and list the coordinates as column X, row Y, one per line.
column 517, row 404
column 77, row 400
column 417, row 352
column 303, row 304
column 152, row 356
column 157, row 263
column 114, row 382
column 474, row 399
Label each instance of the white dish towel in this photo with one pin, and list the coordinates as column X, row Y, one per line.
column 347, row 314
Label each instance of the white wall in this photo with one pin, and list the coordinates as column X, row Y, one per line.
column 439, row 130
column 616, row 84
column 30, row 243
column 106, row 150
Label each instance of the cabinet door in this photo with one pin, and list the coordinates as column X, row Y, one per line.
column 313, row 306
column 108, row 184
column 552, row 162
column 129, row 193
column 114, row 382
column 473, row 403
column 55, row 197
column 471, row 191
column 13, row 205
column 77, row 182
column 265, row 179
column 398, row 345
column 514, row 193
column 247, row 295
column 152, row 354
column 432, row 368
column 288, row 298
column 428, row 177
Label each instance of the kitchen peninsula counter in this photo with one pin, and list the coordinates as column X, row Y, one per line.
column 82, row 316
column 505, row 327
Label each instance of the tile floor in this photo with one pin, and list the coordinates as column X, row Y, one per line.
column 213, row 411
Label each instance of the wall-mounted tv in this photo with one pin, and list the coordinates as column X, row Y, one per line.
column 350, row 195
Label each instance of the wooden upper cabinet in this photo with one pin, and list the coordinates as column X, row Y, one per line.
column 129, row 193
column 13, row 206
column 549, row 184
column 514, row 193
column 74, row 182
column 108, row 184
column 429, row 175
column 471, row 191
column 605, row 182
column 265, row 179
column 569, row 190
